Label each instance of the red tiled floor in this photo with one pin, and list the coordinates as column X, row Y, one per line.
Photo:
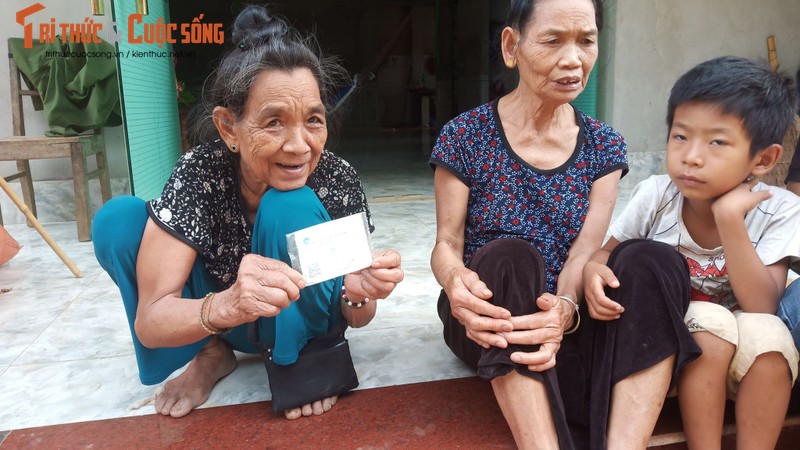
column 459, row 413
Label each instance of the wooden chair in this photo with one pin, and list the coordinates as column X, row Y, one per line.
column 22, row 148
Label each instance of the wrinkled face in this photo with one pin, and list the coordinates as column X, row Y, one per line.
column 558, row 48
column 282, row 132
column 708, row 152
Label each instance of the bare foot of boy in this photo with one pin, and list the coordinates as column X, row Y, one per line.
column 191, row 388
column 316, row 408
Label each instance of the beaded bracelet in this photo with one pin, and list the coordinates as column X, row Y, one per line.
column 577, row 314
column 204, row 313
column 351, row 304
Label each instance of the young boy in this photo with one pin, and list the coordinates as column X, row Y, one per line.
column 726, row 118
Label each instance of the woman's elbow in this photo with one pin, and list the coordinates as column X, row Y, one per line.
column 141, row 333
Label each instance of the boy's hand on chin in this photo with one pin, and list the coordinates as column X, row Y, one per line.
column 737, row 202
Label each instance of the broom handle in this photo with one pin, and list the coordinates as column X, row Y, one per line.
column 29, row 215
column 773, row 52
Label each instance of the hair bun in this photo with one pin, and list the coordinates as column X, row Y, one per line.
column 255, row 25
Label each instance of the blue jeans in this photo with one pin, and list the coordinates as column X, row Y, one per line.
column 789, row 310
column 117, row 231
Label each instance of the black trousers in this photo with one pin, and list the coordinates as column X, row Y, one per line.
column 654, row 290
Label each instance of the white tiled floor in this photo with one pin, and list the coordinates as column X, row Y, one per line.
column 65, row 350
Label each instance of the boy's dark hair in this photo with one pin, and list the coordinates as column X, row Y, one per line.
column 764, row 99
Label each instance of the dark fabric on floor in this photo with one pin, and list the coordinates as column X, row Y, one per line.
column 654, row 290
column 514, row 272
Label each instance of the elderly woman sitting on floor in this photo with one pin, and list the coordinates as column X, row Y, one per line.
column 220, row 225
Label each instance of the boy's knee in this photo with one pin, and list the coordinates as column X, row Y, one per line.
column 716, row 319
column 764, row 335
column 766, row 326
column 771, row 363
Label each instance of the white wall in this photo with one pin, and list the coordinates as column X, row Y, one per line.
column 650, row 43
column 64, row 11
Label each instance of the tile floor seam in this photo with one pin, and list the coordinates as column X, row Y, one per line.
column 32, row 342
column 387, row 361
column 66, row 361
column 67, row 305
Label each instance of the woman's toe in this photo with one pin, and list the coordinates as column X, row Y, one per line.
column 292, row 414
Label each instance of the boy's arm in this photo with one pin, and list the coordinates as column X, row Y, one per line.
column 634, row 222
column 602, row 198
column 596, row 276
column 758, row 288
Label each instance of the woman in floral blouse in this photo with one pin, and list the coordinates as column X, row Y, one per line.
column 525, row 187
column 208, row 257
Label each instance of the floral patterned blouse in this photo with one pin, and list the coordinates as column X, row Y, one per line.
column 509, row 198
column 201, row 204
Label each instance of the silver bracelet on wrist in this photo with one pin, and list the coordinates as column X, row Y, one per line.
column 577, row 314
column 347, row 301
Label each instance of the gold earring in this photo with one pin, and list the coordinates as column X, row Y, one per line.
column 510, row 63
column 233, row 148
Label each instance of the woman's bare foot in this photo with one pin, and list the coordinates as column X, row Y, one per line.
column 316, row 408
column 191, row 388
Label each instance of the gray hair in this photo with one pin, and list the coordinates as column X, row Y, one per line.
column 521, row 12
column 262, row 42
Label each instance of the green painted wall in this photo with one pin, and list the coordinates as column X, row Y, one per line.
column 149, row 105
column 587, row 101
